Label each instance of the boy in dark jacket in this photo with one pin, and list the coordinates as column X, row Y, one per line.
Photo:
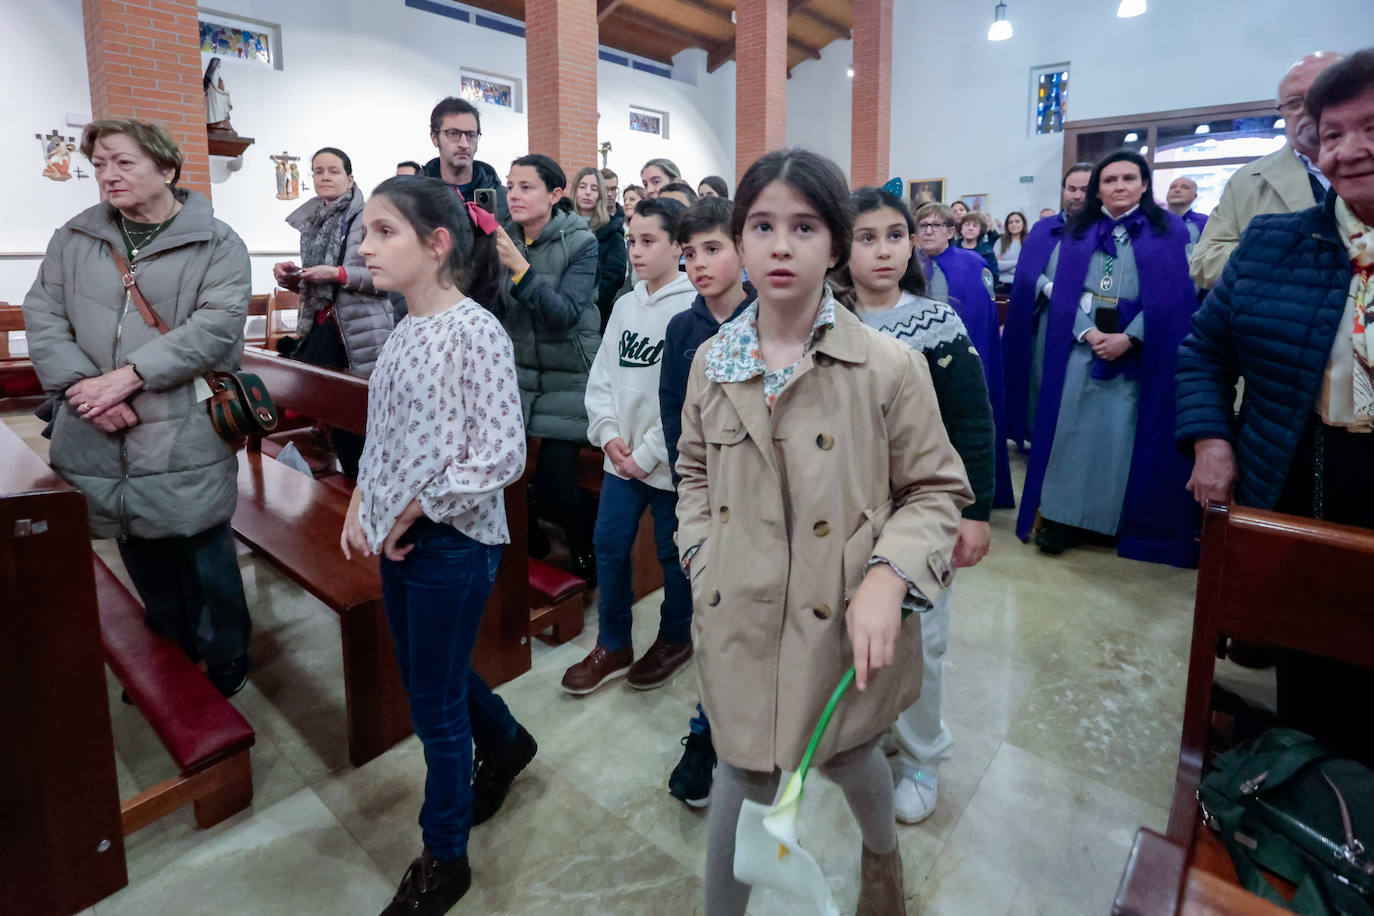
column 716, row 271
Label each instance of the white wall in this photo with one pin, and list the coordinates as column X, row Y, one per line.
column 819, row 102
column 358, row 74
column 960, row 103
column 43, row 76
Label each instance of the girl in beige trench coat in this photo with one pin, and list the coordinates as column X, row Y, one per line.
column 820, row 496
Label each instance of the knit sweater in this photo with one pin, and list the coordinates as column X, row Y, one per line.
column 957, row 373
column 622, row 390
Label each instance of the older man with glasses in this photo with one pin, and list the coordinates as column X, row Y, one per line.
column 1285, row 181
column 961, row 278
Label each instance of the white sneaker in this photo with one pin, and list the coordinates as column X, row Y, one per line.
column 915, row 795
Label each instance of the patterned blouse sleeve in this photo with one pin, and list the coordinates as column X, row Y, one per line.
column 479, row 420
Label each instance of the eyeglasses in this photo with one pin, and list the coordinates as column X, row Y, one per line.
column 1290, row 107
column 454, row 133
column 932, row 227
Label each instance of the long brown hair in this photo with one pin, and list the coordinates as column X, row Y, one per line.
column 1006, row 230
column 601, row 214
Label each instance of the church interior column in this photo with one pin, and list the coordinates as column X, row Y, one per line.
column 871, row 114
column 760, row 80
column 143, row 57
column 561, row 52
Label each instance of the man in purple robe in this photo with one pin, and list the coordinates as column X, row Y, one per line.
column 1180, row 197
column 1023, row 338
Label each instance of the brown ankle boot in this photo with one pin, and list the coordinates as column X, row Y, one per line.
column 880, row 885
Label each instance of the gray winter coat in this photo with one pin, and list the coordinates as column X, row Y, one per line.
column 552, row 319
column 170, row 475
column 364, row 315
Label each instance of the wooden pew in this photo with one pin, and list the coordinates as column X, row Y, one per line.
column 61, row 838
column 257, row 307
column 1266, row 579
column 18, row 382
column 207, row 738
column 294, row 522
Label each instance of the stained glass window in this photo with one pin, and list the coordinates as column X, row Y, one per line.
column 231, row 41
column 1050, row 92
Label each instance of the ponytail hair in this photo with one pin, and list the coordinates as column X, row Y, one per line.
column 428, row 204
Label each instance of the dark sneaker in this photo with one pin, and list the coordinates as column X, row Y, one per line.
column 230, row 677
column 658, row 664
column 494, row 771
column 600, row 665
column 431, row 886
column 691, row 779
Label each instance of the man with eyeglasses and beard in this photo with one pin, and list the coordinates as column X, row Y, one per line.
column 1285, row 181
column 455, row 129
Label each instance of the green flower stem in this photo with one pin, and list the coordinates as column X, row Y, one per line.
column 824, row 722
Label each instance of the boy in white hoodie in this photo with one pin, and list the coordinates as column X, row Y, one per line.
column 623, row 420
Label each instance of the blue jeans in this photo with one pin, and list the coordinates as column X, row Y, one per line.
column 617, row 522
column 434, row 601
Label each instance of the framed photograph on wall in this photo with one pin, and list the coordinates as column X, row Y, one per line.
column 978, row 203
column 649, row 121
column 926, row 191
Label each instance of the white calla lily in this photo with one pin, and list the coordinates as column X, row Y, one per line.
column 767, row 850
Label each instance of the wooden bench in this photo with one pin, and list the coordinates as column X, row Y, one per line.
column 18, row 382
column 207, row 738
column 294, row 521
column 62, row 839
column 1270, row 580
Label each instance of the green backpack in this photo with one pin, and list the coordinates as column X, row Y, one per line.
column 1286, row 804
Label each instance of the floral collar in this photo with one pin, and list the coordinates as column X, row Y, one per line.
column 734, row 355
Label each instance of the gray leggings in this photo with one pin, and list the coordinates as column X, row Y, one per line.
column 861, row 773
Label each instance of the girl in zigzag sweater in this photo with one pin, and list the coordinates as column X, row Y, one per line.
column 887, row 291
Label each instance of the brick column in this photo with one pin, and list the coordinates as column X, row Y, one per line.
column 560, row 67
column 871, row 114
column 143, row 57
column 760, row 80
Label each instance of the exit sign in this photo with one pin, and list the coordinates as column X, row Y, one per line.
column 1027, row 179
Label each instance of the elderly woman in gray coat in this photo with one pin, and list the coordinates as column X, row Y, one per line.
column 343, row 320
column 131, row 430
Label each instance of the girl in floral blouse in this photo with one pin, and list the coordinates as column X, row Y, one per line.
column 444, row 438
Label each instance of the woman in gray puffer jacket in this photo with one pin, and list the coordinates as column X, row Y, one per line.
column 343, row 320
column 131, row 431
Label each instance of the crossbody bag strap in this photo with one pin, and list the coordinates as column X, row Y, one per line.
column 150, row 317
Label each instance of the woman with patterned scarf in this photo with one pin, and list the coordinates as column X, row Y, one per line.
column 343, row 320
column 1291, row 315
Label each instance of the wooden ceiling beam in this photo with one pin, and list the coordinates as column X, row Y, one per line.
column 719, row 55
column 723, row 13
column 804, row 48
column 604, row 8
column 839, row 29
column 668, row 29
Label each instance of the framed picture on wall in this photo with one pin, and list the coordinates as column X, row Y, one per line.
column 978, row 203
column 649, row 121
column 926, row 191
column 488, row 91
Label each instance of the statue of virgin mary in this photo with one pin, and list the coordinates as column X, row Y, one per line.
column 217, row 105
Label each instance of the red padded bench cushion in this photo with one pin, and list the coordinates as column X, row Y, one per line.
column 196, row 724
column 550, row 585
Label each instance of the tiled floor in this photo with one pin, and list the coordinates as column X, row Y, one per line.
column 1065, row 684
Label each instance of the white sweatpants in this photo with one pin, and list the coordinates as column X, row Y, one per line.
column 923, row 738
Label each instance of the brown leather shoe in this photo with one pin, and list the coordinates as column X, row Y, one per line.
column 600, row 665
column 880, row 884
column 658, row 664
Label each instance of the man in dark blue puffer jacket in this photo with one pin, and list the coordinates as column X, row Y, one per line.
column 1290, row 317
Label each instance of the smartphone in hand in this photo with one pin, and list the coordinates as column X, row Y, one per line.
column 486, row 199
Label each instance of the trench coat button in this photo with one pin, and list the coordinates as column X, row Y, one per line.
column 825, row 442
column 820, row 529
column 724, row 514
column 822, row 611
column 713, row 599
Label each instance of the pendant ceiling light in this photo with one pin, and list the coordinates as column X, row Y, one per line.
column 1129, row 8
column 1000, row 30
